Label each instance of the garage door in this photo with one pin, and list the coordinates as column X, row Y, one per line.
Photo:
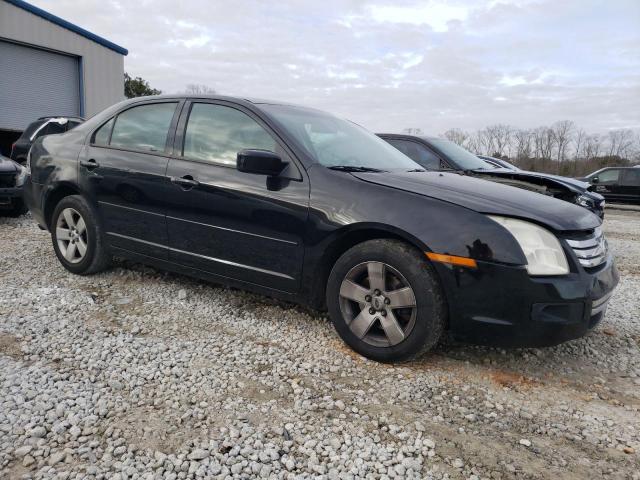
column 36, row 83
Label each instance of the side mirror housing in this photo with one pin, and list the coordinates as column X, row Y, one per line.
column 594, row 180
column 260, row 162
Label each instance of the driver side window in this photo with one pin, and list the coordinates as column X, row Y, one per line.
column 609, row 176
column 217, row 133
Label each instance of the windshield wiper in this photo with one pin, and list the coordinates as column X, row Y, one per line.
column 417, row 170
column 354, row 168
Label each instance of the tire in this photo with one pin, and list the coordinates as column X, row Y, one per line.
column 376, row 325
column 91, row 254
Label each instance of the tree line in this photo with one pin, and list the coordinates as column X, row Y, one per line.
column 562, row 148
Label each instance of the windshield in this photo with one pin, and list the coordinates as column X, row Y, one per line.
column 463, row 159
column 334, row 142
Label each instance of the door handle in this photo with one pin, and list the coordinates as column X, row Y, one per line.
column 89, row 164
column 186, row 182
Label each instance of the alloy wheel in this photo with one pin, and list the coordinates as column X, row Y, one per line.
column 71, row 235
column 378, row 304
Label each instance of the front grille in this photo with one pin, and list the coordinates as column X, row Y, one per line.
column 591, row 250
column 7, row 180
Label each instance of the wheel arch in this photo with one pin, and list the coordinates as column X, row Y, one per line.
column 54, row 196
column 341, row 241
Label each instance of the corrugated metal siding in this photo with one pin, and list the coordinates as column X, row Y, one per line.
column 36, row 83
column 103, row 69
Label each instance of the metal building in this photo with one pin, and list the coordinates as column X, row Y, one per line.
column 49, row 66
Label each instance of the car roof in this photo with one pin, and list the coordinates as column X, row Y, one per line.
column 49, row 117
column 409, row 135
column 189, row 96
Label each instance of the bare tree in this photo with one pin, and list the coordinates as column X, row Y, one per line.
column 562, row 136
column 473, row 145
column 485, row 144
column 544, row 141
column 620, row 141
column 457, row 136
column 199, row 89
column 500, row 139
column 561, row 148
column 522, row 140
column 578, row 141
column 592, row 147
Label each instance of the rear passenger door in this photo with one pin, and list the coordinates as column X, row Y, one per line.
column 630, row 185
column 123, row 171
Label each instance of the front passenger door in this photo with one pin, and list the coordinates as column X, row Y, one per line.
column 242, row 226
column 608, row 183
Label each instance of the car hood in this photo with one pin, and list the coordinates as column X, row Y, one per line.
column 571, row 183
column 7, row 165
column 489, row 198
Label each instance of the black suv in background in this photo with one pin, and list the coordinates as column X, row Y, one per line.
column 434, row 153
column 305, row 206
column 42, row 126
column 616, row 184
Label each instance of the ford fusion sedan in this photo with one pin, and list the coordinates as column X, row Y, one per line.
column 434, row 153
column 303, row 206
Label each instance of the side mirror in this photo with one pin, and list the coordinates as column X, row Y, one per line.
column 261, row 162
column 594, row 180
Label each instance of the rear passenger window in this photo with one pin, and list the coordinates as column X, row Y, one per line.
column 144, row 127
column 54, row 127
column 101, row 137
column 217, row 133
column 631, row 178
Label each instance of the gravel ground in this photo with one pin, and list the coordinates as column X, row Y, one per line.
column 136, row 373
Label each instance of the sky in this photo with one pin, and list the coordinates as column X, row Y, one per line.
column 388, row 66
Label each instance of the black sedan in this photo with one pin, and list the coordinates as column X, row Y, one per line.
column 303, row 206
column 434, row 153
column 12, row 176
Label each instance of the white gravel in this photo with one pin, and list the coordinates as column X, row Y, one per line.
column 136, row 373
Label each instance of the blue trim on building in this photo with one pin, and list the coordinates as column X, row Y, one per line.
column 81, row 84
column 68, row 25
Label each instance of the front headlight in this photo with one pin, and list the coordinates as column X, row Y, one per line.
column 541, row 247
column 585, row 201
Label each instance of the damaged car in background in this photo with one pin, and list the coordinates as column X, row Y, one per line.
column 434, row 153
column 12, row 176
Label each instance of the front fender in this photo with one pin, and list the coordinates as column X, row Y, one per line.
column 431, row 224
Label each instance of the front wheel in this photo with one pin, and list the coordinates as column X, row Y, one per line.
column 77, row 237
column 385, row 301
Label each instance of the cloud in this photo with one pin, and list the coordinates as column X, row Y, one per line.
column 391, row 65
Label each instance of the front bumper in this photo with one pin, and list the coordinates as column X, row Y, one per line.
column 502, row 305
column 9, row 196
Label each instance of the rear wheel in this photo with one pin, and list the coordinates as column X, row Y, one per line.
column 385, row 301
column 77, row 237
